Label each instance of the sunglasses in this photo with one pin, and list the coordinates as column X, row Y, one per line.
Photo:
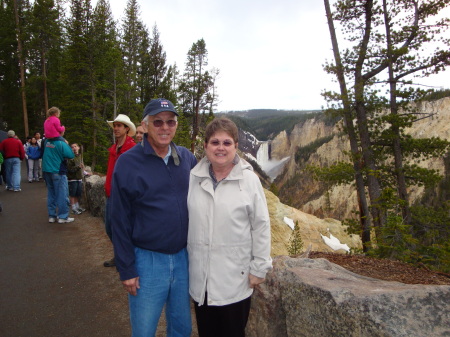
column 170, row 123
column 225, row 143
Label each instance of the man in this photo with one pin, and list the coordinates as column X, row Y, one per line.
column 13, row 154
column 37, row 135
column 139, row 133
column 124, row 129
column 150, row 223
column 55, row 153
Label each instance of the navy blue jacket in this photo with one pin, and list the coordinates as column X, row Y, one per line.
column 148, row 204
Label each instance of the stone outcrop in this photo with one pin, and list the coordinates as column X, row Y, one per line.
column 95, row 192
column 280, row 146
column 310, row 228
column 313, row 297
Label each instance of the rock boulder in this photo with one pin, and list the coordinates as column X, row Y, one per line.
column 313, row 297
column 95, row 193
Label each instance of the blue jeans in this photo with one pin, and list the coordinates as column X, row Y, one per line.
column 163, row 279
column 12, row 167
column 57, row 195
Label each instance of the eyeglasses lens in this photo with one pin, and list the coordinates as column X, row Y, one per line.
column 225, row 143
column 170, row 123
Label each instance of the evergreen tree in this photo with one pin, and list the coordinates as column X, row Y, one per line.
column 195, row 87
column 168, row 86
column 387, row 40
column 133, row 33
column 107, row 81
column 10, row 101
column 158, row 67
column 77, row 74
column 46, row 37
column 295, row 246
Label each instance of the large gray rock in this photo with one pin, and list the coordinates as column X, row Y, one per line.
column 313, row 297
column 95, row 192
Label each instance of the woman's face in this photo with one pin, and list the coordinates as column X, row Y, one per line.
column 221, row 149
column 33, row 141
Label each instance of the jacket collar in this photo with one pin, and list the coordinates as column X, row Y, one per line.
column 148, row 150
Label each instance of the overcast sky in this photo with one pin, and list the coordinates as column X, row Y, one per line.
column 269, row 53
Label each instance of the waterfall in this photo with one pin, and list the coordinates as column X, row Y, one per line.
column 262, row 156
column 272, row 167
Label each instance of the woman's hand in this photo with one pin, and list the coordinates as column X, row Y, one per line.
column 254, row 280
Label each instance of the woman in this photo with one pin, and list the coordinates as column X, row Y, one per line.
column 75, row 169
column 229, row 234
column 33, row 152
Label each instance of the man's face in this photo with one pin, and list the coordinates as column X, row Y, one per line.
column 139, row 133
column 37, row 135
column 161, row 136
column 75, row 148
column 120, row 130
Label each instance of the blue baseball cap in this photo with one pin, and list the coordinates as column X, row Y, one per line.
column 157, row 105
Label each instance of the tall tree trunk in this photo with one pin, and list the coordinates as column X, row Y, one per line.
column 44, row 81
column 22, row 70
column 373, row 183
column 396, row 146
column 195, row 124
column 348, row 119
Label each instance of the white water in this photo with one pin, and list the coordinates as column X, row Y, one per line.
column 272, row 167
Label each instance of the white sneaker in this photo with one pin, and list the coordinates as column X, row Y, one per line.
column 66, row 220
column 51, row 219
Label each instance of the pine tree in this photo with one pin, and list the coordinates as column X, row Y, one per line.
column 195, row 87
column 77, row 75
column 46, row 37
column 133, row 35
column 10, row 101
column 295, row 246
column 388, row 43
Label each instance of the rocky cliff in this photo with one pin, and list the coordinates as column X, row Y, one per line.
column 310, row 226
column 296, row 186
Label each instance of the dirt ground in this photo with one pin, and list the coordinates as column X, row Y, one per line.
column 384, row 269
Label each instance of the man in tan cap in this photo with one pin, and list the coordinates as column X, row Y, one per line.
column 124, row 129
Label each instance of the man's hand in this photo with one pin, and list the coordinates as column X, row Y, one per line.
column 254, row 280
column 131, row 285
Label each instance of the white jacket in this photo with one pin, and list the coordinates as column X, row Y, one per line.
column 229, row 234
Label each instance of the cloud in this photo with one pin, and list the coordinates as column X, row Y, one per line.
column 270, row 54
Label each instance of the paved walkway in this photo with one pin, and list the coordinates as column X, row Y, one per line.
column 52, row 279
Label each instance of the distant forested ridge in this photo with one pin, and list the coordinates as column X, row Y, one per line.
column 265, row 124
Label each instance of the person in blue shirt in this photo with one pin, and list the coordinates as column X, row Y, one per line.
column 149, row 221
column 33, row 152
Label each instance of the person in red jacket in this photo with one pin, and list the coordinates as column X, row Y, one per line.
column 13, row 154
column 124, row 129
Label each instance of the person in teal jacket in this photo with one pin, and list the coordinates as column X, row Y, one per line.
column 54, row 153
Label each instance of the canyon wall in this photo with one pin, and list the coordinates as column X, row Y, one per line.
column 296, row 186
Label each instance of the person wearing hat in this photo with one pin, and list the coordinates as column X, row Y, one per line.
column 13, row 154
column 149, row 220
column 124, row 129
